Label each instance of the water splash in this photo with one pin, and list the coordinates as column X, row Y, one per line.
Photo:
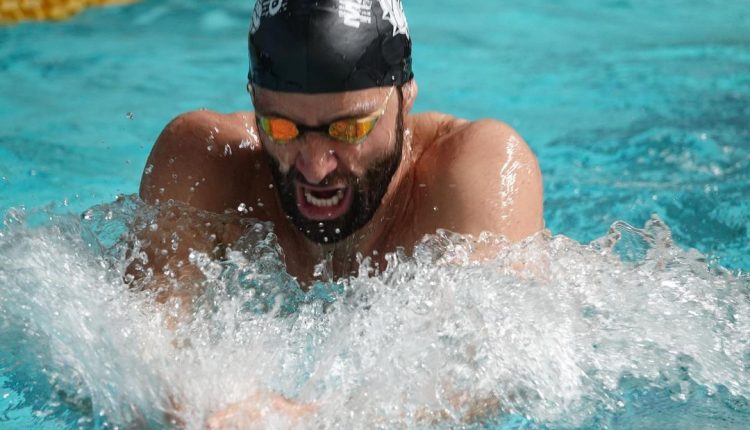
column 547, row 332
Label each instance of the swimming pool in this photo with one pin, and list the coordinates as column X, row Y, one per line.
column 634, row 108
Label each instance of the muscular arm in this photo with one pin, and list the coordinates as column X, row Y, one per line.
column 483, row 177
column 200, row 161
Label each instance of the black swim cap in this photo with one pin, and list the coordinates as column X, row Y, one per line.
column 325, row 46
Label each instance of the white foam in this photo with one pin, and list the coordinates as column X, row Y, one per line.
column 546, row 329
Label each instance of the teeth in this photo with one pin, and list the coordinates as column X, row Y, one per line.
column 324, row 203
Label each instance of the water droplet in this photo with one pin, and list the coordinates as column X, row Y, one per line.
column 242, row 208
column 130, row 115
column 435, row 208
column 148, row 169
column 338, row 231
column 88, row 215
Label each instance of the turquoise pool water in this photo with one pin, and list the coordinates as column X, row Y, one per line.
column 634, row 108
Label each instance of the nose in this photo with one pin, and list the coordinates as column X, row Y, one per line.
column 316, row 160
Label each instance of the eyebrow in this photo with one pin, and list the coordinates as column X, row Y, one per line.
column 363, row 110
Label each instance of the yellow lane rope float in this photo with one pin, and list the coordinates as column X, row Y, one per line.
column 21, row 10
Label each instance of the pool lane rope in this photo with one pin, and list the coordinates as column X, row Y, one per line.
column 39, row 10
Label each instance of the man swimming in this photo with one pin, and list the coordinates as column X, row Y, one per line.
column 331, row 155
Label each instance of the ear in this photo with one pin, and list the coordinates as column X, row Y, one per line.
column 409, row 90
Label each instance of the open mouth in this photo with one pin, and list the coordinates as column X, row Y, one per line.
column 323, row 203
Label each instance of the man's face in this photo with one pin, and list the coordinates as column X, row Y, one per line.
column 328, row 188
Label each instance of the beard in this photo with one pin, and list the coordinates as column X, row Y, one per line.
column 367, row 193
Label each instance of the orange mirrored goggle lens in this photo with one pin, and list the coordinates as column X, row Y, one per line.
column 279, row 129
column 352, row 130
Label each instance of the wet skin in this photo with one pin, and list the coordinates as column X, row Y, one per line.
column 467, row 177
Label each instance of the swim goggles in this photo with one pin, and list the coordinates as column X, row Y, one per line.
column 349, row 130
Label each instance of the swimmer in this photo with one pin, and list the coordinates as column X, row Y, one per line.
column 333, row 157
column 332, row 154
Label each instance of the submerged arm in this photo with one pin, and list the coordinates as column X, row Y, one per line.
column 192, row 170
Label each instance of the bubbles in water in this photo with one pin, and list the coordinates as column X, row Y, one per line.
column 466, row 329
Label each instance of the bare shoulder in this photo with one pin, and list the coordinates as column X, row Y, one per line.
column 455, row 137
column 206, row 159
column 430, row 128
column 205, row 130
column 485, row 177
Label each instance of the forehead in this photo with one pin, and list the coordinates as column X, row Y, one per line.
column 318, row 106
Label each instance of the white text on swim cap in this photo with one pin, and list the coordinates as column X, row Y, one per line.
column 393, row 12
column 355, row 12
column 265, row 8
